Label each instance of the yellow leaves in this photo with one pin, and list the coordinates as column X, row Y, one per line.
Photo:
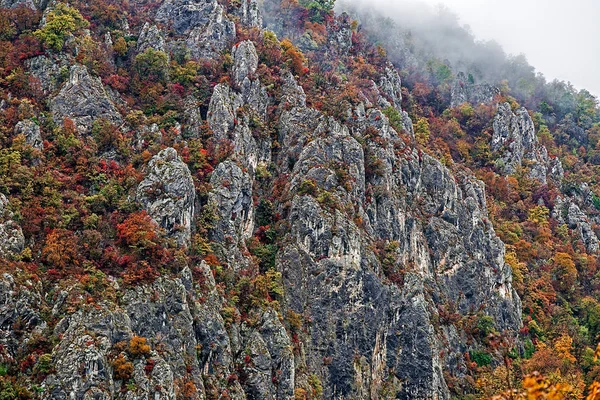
column 422, row 131
column 594, row 390
column 536, row 387
column 120, row 47
column 62, row 21
column 565, row 271
column 294, row 57
column 539, row 215
column 563, row 347
column 519, row 269
column 138, row 346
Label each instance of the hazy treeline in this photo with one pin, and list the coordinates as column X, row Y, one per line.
column 422, row 40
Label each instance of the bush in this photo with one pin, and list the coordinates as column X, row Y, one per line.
column 138, row 346
column 485, row 326
column 122, row 369
column 152, row 64
column 481, row 358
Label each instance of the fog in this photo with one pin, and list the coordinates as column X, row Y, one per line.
column 560, row 39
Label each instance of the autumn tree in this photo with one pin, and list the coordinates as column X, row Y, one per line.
column 138, row 231
column 61, row 250
column 564, row 271
column 152, row 64
column 61, row 22
column 294, row 57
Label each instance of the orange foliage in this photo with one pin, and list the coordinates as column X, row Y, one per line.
column 122, row 369
column 138, row 346
column 138, row 231
column 294, row 57
column 61, row 249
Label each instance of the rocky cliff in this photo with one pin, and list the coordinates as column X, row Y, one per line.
column 307, row 255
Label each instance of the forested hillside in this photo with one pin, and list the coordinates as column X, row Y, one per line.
column 212, row 199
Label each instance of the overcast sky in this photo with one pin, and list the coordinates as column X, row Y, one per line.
column 560, row 38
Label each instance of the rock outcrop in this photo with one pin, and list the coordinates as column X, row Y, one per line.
column 31, row 131
column 168, row 194
column 203, row 26
column 33, row 4
column 151, row 37
column 83, row 100
column 576, row 219
column 465, row 91
column 12, row 241
column 515, row 141
column 180, row 320
column 363, row 312
column 566, row 211
column 249, row 13
column 391, row 90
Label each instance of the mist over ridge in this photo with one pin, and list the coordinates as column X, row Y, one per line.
column 553, row 41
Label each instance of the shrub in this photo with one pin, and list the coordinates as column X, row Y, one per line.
column 308, row 186
column 152, row 64
column 422, row 131
column 485, row 326
column 138, row 346
column 481, row 358
column 294, row 57
column 61, row 249
column 122, row 369
column 138, row 231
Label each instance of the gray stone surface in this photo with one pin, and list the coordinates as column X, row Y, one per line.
column 515, row 141
column 83, row 99
column 168, row 194
column 12, row 241
column 464, row 91
column 31, row 131
column 203, row 24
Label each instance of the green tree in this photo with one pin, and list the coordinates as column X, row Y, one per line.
column 62, row 21
column 152, row 64
column 318, row 9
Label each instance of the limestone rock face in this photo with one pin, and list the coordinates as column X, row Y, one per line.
column 249, row 13
column 245, row 61
column 232, row 197
column 340, row 34
column 440, row 237
column 515, row 140
column 181, row 322
column 237, row 115
column 464, row 91
column 151, row 37
column 271, row 374
column 193, row 118
column 47, row 70
column 12, row 241
column 576, row 219
column 168, row 194
column 20, row 303
column 83, row 99
column 31, row 131
column 33, row 4
column 205, row 28
column 391, row 90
